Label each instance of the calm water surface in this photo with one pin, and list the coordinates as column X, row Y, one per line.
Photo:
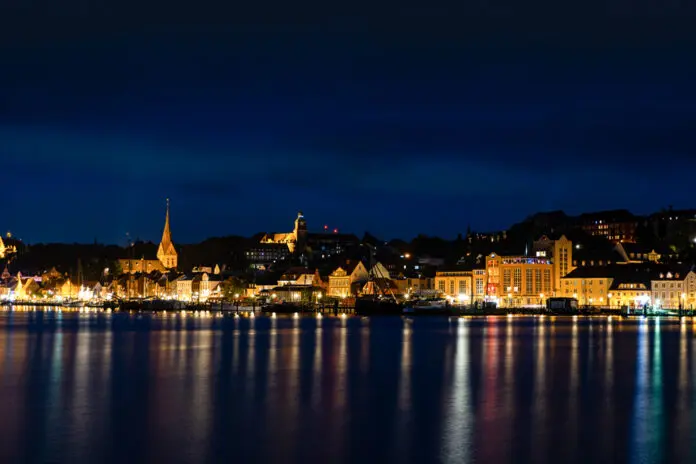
column 139, row 388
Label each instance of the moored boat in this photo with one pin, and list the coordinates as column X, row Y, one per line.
column 377, row 306
column 428, row 306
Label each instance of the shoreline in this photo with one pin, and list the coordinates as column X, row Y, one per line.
column 251, row 312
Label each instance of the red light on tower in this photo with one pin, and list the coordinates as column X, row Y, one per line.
column 335, row 231
column 326, row 227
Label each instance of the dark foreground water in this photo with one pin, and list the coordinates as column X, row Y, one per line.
column 118, row 388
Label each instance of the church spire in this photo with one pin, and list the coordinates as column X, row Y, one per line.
column 167, row 233
column 166, row 252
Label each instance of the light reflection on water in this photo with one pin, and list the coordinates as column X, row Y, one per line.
column 117, row 387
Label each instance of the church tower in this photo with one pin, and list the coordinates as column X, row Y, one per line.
column 300, row 233
column 166, row 252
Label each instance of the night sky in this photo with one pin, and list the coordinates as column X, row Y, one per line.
column 392, row 118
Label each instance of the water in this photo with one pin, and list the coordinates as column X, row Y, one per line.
column 138, row 388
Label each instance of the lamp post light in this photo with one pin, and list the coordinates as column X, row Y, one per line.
column 541, row 299
column 510, row 299
column 609, row 295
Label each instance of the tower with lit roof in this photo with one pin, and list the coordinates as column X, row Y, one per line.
column 166, row 252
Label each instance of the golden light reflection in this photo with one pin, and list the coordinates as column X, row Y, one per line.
column 251, row 358
column 574, row 387
column 459, row 418
column 540, row 405
column 271, row 382
column 365, row 346
column 341, row 390
column 317, row 365
column 639, row 426
column 404, row 395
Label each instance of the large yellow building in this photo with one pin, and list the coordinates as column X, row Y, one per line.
column 515, row 281
column 455, row 284
column 560, row 252
column 589, row 285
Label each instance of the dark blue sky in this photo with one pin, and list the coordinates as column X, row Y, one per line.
column 392, row 118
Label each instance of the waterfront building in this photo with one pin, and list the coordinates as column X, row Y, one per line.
column 675, row 288
column 19, row 287
column 415, row 283
column 67, row 289
column 455, row 283
column 516, row 281
column 297, row 293
column 184, row 287
column 209, row 286
column 296, row 276
column 342, row 279
column 630, row 292
column 560, row 252
column 589, row 285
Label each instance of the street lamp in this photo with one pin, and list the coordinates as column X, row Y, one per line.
column 609, row 295
column 541, row 299
column 510, row 299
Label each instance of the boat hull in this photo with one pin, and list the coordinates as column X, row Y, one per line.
column 364, row 307
column 429, row 310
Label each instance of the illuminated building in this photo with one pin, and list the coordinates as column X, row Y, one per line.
column 674, row 289
column 413, row 283
column 455, row 283
column 166, row 252
column 616, row 225
column 264, row 254
column 321, row 245
column 590, row 286
column 635, row 253
column 630, row 292
column 295, row 240
column 342, row 279
column 560, row 252
column 167, row 257
column 518, row 280
column 6, row 250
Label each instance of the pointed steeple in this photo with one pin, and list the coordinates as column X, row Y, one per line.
column 167, row 233
column 166, row 252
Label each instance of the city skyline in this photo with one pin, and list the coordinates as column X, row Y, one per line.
column 578, row 220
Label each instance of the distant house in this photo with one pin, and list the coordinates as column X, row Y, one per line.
column 341, row 280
